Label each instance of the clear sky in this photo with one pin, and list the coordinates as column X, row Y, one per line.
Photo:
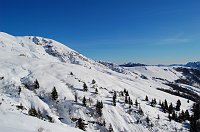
column 145, row 31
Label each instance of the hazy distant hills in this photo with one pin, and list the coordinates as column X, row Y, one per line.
column 189, row 64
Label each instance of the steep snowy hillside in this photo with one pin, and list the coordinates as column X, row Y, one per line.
column 44, row 78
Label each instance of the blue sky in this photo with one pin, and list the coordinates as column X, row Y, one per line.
column 145, row 31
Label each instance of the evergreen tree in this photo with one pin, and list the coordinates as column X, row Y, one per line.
column 104, row 123
column 33, row 112
column 93, row 81
column 170, row 118
column 131, row 102
column 127, row 94
column 158, row 117
column 99, row 106
column 71, row 73
column 122, row 94
column 126, row 100
column 178, row 104
column 36, row 84
column 96, row 91
column 76, row 97
column 182, row 116
column 194, row 127
column 146, row 98
column 170, row 108
column 187, row 115
column 110, row 129
column 147, row 119
column 153, row 102
column 114, row 98
column 136, row 103
column 140, row 111
column 19, row 90
column 125, row 91
column 173, row 115
column 54, row 94
column 80, row 124
column 166, row 105
column 84, row 101
column 85, row 88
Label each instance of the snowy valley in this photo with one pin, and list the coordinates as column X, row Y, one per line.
column 46, row 86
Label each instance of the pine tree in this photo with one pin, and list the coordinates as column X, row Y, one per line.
column 76, row 97
column 187, row 115
column 99, row 106
column 122, row 94
column 140, row 111
column 96, row 91
column 114, row 98
column 182, row 116
column 36, row 85
column 136, row 103
column 131, row 102
column 125, row 91
column 81, row 124
column 153, row 102
column 19, row 90
column 104, row 123
column 93, row 81
column 84, row 101
column 71, row 73
column 178, row 104
column 54, row 94
column 166, row 105
column 158, row 117
column 147, row 119
column 146, row 98
column 173, row 115
column 127, row 94
column 126, row 100
column 110, row 129
column 194, row 127
column 170, row 108
column 32, row 112
column 85, row 88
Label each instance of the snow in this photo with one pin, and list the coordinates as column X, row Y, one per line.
column 25, row 59
column 22, row 123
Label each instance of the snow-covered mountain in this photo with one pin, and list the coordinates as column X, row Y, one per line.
column 193, row 64
column 31, row 67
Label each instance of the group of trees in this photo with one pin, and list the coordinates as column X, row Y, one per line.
column 99, row 107
column 171, row 110
column 195, row 118
column 127, row 99
column 37, row 113
column 80, row 124
column 85, row 87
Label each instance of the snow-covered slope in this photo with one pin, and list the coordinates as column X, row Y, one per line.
column 23, row 60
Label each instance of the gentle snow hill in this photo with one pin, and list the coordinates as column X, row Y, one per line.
column 25, row 59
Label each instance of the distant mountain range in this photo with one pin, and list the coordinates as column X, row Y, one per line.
column 132, row 64
column 189, row 64
column 193, row 64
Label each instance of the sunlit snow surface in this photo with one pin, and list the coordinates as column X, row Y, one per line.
column 25, row 59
